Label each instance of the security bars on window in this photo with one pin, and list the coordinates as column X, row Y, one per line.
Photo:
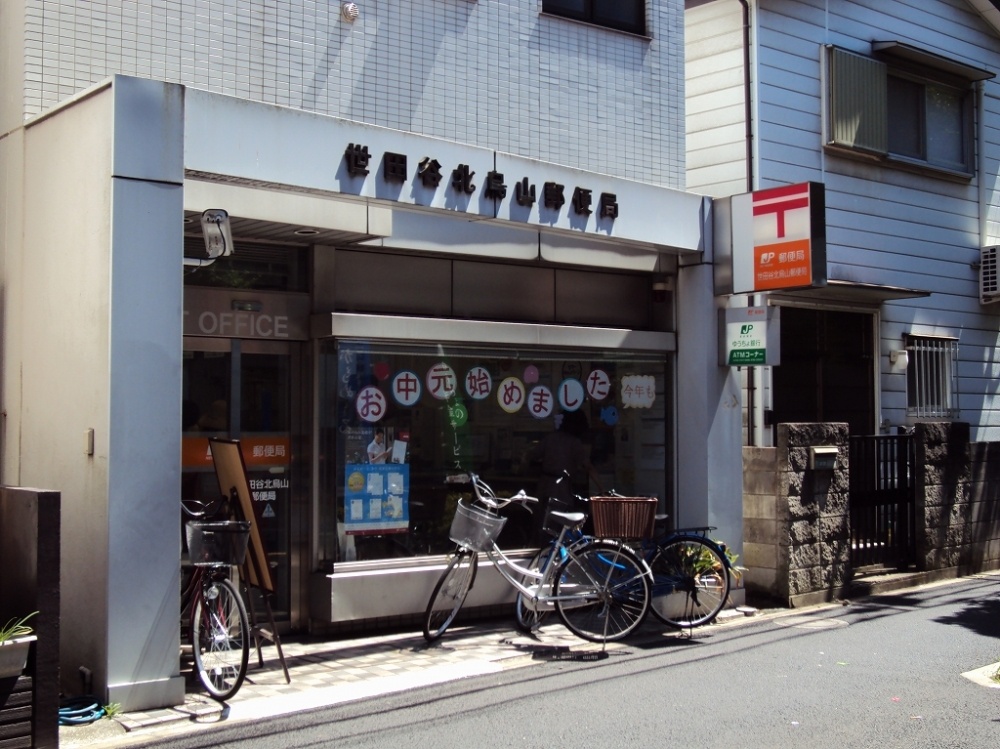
column 932, row 378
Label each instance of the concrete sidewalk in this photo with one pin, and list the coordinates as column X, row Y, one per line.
column 327, row 673
column 330, row 672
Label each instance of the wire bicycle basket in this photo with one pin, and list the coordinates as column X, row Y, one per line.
column 474, row 527
column 217, row 543
column 623, row 517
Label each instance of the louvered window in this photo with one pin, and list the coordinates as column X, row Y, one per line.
column 857, row 102
column 932, row 377
column 907, row 106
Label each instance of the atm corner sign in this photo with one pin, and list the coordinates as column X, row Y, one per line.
column 751, row 337
column 779, row 238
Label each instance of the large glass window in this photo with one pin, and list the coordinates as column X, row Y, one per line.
column 397, row 420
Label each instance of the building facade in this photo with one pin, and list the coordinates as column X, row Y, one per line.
column 893, row 107
column 452, row 224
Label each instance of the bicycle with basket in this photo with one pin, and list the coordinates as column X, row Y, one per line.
column 599, row 588
column 211, row 604
column 690, row 572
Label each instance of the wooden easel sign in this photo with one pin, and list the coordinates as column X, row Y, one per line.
column 232, row 474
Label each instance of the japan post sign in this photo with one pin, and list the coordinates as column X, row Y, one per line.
column 779, row 238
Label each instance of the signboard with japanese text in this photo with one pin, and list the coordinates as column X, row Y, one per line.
column 259, row 452
column 779, row 238
column 376, row 498
column 751, row 337
column 368, row 163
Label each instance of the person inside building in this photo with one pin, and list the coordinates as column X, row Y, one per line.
column 564, row 457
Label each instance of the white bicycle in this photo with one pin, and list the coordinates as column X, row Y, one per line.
column 599, row 588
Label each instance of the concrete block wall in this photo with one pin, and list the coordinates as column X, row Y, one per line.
column 796, row 522
column 797, row 546
column 958, row 500
column 492, row 73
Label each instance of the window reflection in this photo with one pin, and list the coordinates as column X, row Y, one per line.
column 438, row 410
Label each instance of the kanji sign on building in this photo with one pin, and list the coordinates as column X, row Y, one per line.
column 779, row 238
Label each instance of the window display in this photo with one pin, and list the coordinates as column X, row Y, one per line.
column 398, row 419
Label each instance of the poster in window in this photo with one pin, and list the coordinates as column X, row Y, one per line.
column 376, row 498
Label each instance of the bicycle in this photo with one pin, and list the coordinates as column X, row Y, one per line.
column 690, row 571
column 217, row 617
column 600, row 589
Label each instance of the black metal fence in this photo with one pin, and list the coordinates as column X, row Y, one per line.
column 882, row 501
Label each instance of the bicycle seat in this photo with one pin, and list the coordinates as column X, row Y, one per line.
column 568, row 519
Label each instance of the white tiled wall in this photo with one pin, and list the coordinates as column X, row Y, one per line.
column 494, row 73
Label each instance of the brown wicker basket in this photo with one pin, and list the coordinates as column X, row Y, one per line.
column 623, row 517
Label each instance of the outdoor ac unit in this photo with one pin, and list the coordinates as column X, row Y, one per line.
column 989, row 283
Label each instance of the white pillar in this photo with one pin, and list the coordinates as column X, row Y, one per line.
column 709, row 435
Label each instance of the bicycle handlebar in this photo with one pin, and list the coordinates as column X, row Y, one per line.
column 201, row 508
column 485, row 494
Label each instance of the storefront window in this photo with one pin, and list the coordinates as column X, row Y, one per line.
column 397, row 420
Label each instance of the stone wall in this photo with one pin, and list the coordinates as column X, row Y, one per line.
column 796, row 524
column 958, row 487
column 797, row 547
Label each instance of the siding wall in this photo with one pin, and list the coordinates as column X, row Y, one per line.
column 884, row 225
column 492, row 73
column 715, row 104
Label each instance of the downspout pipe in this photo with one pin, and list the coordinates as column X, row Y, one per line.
column 748, row 137
column 747, row 107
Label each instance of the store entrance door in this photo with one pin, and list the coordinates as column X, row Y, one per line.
column 242, row 389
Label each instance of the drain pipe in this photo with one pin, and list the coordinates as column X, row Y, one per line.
column 748, row 137
column 747, row 107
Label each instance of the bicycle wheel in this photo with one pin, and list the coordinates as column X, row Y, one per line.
column 690, row 582
column 610, row 589
column 220, row 638
column 449, row 593
column 528, row 620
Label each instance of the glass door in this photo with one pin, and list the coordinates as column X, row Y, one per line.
column 242, row 389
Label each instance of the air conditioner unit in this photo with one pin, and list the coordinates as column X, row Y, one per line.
column 989, row 282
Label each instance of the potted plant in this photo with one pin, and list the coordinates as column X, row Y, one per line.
column 15, row 640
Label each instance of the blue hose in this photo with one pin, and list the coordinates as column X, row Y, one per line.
column 74, row 711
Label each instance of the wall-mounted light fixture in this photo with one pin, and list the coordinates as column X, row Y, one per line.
column 218, row 236
column 899, row 360
column 350, row 12
column 661, row 285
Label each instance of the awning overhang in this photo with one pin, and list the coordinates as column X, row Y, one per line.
column 852, row 292
column 909, row 53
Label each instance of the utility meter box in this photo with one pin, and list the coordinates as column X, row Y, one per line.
column 823, row 457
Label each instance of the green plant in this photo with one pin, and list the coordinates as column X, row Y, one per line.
column 737, row 569
column 16, row 628
column 112, row 710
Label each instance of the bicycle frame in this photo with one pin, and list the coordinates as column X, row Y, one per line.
column 534, row 595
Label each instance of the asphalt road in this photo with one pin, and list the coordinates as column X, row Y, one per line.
column 885, row 672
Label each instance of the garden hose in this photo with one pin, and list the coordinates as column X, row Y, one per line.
column 75, row 711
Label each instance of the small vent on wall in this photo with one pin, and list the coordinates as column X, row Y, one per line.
column 989, row 284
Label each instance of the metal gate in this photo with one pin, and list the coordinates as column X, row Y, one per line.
column 882, row 501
